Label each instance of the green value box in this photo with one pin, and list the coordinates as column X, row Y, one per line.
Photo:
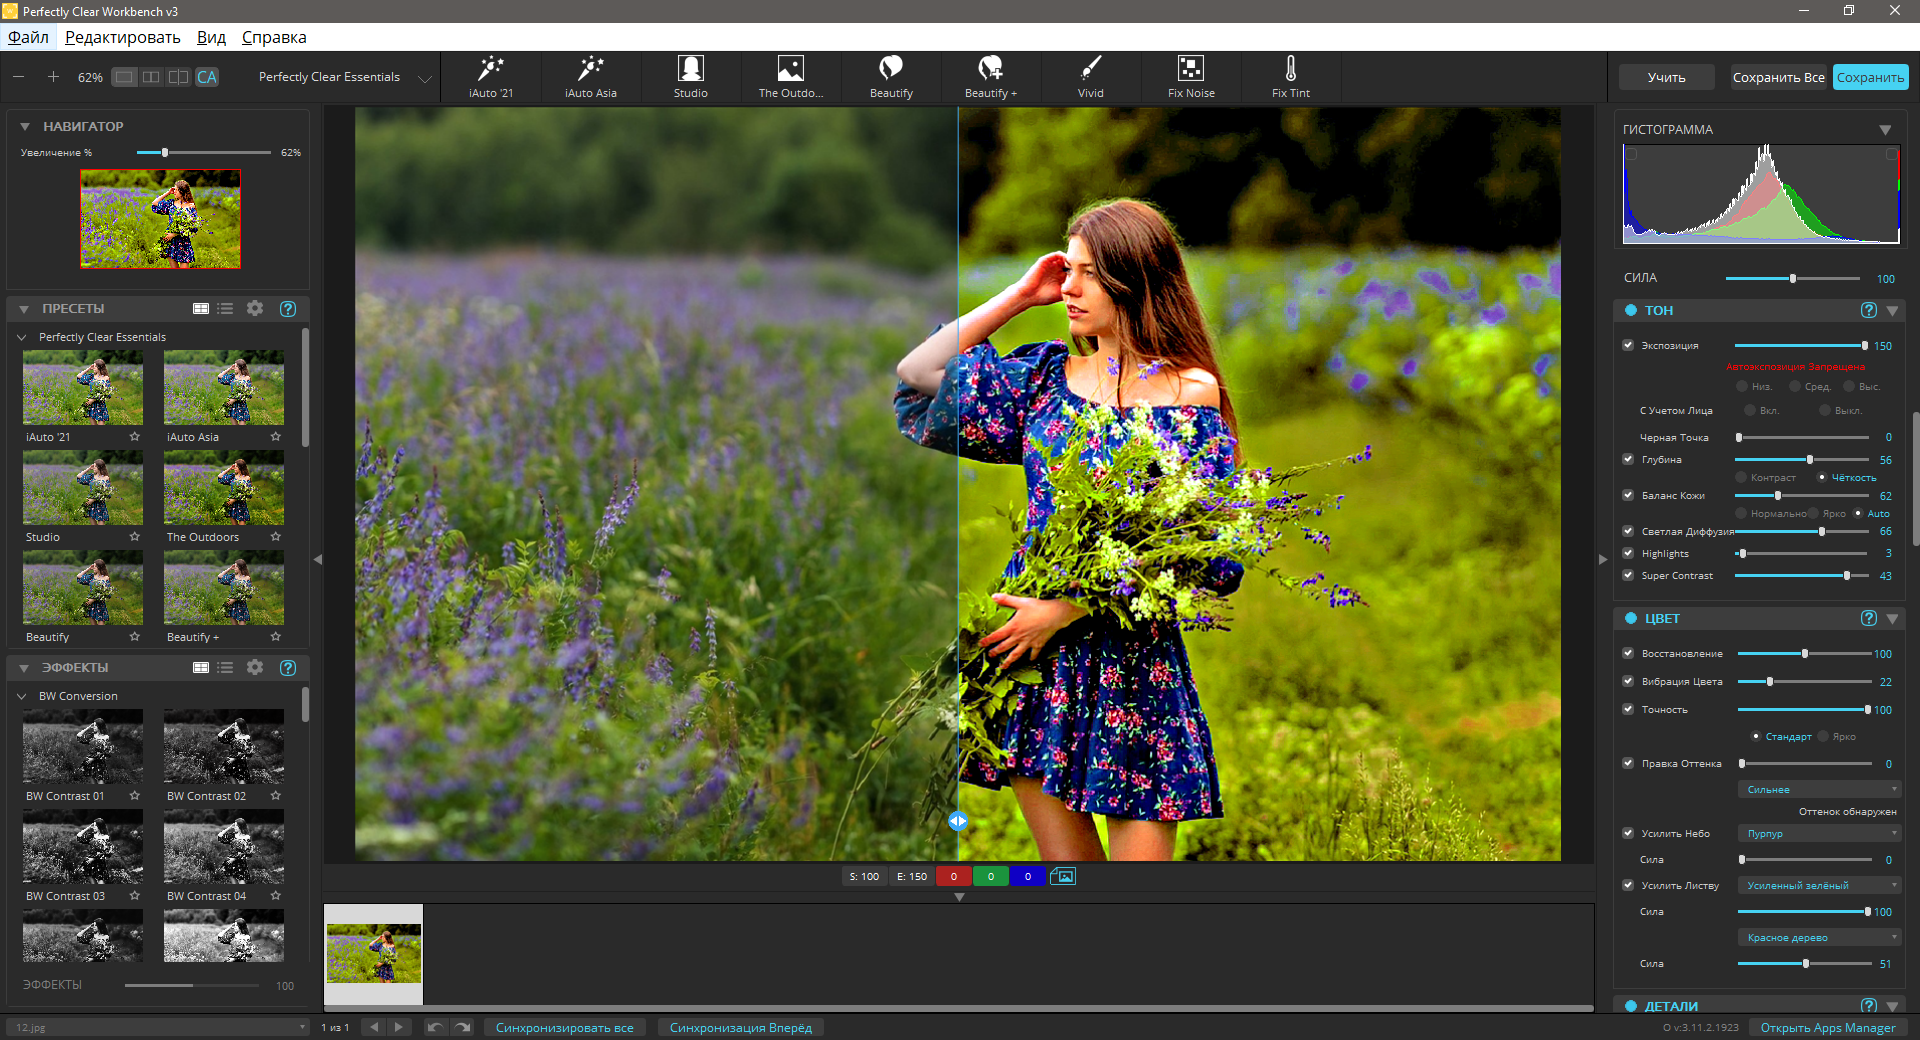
column 991, row 875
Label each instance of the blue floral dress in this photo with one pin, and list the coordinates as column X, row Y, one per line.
column 95, row 410
column 241, row 486
column 1117, row 729
column 238, row 409
column 389, row 955
column 95, row 609
column 96, row 508
column 243, row 590
column 182, row 222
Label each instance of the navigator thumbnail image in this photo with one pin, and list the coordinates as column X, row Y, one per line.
column 160, row 219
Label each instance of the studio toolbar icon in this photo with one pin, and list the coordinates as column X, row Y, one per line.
column 693, row 68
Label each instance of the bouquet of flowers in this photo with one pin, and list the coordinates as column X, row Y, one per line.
column 99, row 489
column 100, row 390
column 242, row 489
column 1135, row 528
column 240, row 390
column 101, row 589
column 242, row 589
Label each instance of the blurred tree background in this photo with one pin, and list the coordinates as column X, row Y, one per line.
column 1485, row 179
column 1372, row 277
column 159, row 180
column 871, row 182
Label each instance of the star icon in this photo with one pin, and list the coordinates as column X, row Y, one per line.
column 135, row 636
column 276, row 796
column 133, row 435
column 274, row 436
column 275, row 636
column 275, row 536
column 133, row 536
column 276, row 893
column 134, row 794
column 134, row 895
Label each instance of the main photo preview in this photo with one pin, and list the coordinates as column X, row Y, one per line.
column 664, row 551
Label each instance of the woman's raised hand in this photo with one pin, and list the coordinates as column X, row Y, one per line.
column 1034, row 621
column 1040, row 286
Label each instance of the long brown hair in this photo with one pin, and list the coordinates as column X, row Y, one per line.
column 100, row 566
column 240, row 366
column 241, row 465
column 1136, row 257
column 100, row 365
column 241, row 566
column 185, row 190
column 100, row 466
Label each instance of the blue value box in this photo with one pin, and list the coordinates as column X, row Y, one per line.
column 1029, row 876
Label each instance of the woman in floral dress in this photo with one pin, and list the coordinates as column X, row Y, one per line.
column 183, row 222
column 240, row 384
column 237, row 478
column 388, row 953
column 95, row 940
column 241, row 584
column 99, row 390
column 99, row 591
column 1116, row 726
column 99, row 488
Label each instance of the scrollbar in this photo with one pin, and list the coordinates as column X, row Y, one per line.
column 306, row 391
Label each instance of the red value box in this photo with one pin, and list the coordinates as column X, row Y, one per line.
column 955, row 877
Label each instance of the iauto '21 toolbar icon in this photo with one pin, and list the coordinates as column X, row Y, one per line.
column 490, row 66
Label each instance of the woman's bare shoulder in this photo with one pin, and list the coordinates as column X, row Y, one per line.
column 1199, row 387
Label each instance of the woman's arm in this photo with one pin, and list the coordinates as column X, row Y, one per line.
column 926, row 364
column 1033, row 623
